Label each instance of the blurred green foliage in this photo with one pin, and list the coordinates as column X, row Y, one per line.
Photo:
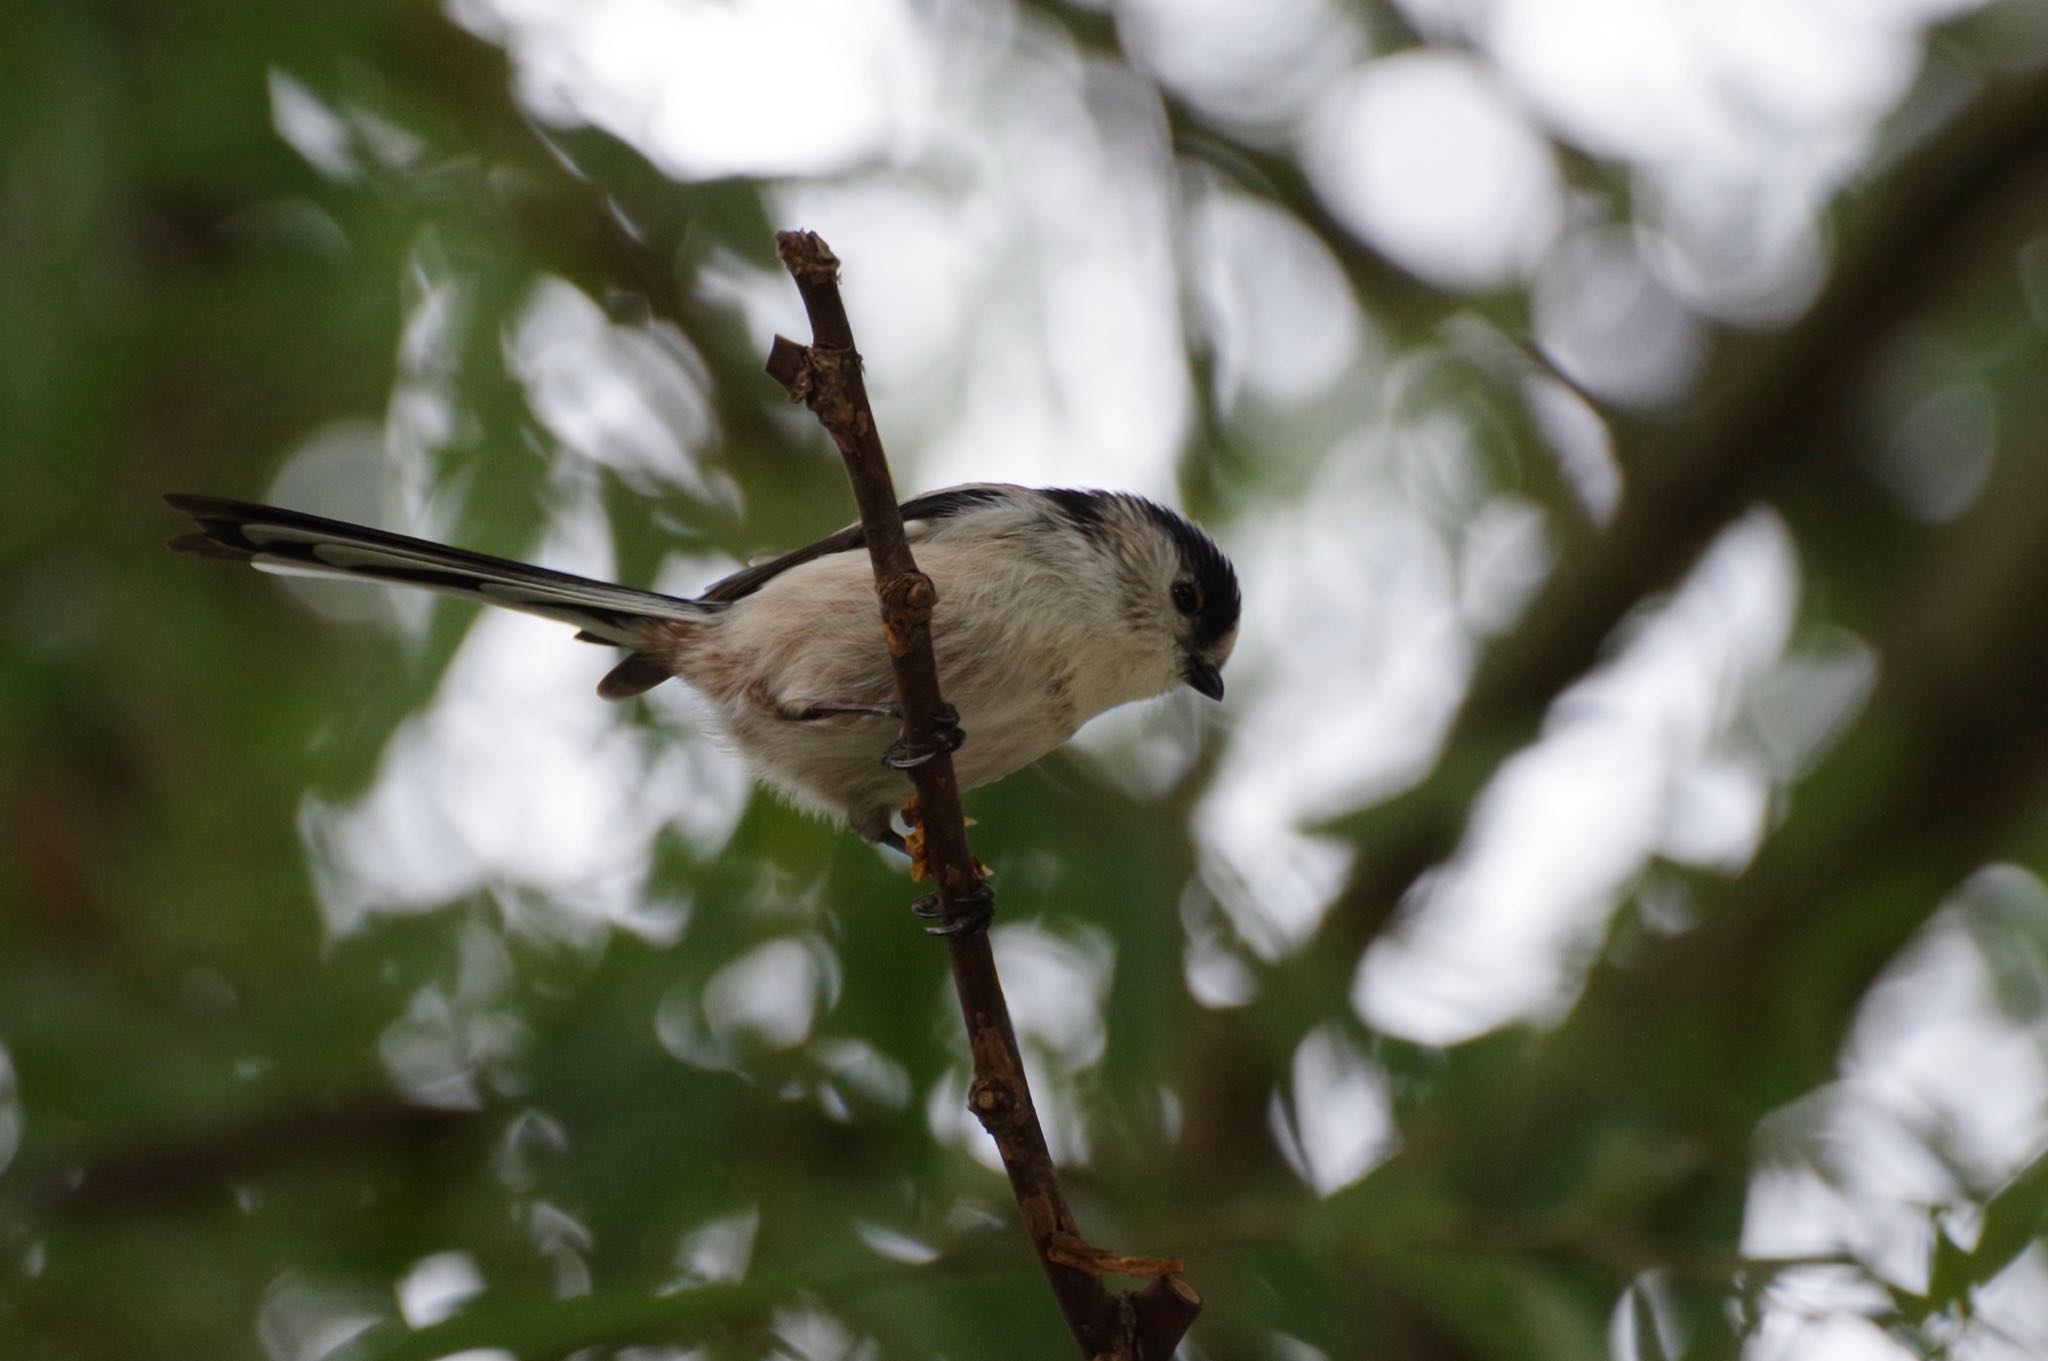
column 202, row 1150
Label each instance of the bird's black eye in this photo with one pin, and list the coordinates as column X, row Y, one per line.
column 1186, row 598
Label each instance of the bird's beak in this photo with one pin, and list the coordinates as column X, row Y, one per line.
column 1203, row 677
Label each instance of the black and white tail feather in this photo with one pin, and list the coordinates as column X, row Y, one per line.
column 294, row 543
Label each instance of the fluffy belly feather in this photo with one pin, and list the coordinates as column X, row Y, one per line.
column 834, row 765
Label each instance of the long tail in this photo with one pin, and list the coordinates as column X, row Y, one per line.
column 294, row 542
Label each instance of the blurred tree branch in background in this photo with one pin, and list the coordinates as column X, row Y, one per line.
column 1772, row 420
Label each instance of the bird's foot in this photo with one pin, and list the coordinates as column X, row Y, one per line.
column 946, row 737
column 964, row 916
column 1071, row 1250
column 811, row 713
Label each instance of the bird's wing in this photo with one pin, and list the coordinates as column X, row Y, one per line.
column 920, row 513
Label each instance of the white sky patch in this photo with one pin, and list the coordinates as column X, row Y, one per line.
column 515, row 775
column 1493, row 201
column 1503, row 933
column 1610, row 323
column 1742, row 249
column 1334, row 1122
column 1663, row 81
column 1742, row 120
column 894, row 1245
column 633, row 398
column 1216, row 968
column 302, row 1318
column 336, row 140
column 719, row 1249
column 811, row 1334
column 1005, row 225
column 771, row 996
column 710, row 88
column 1061, row 981
column 388, row 475
column 768, row 998
column 1942, row 1099
column 1645, row 1324
column 1619, row 77
column 337, row 470
column 1003, row 203
column 2014, row 1325
column 1787, row 1336
column 1346, row 673
column 1279, row 313
column 1145, row 749
column 311, row 128
column 1247, row 62
column 1071, row 367
column 858, row 1068
column 455, row 1043
column 437, row 1287
column 1934, row 1044
column 1015, row 289
column 915, row 259
column 1058, row 982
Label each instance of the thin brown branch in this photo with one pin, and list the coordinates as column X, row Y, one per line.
column 826, row 375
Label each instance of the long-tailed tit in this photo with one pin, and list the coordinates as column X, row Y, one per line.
column 1053, row 607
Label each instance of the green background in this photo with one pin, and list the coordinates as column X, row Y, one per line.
column 202, row 1150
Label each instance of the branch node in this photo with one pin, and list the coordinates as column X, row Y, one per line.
column 806, row 256
column 907, row 601
column 825, row 378
column 834, row 392
column 994, row 1102
column 790, row 365
column 910, row 593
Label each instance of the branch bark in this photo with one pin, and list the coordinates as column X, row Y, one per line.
column 1145, row 1325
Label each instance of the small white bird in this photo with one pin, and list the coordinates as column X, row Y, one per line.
column 1054, row 606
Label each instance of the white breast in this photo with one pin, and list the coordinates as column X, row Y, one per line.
column 1010, row 623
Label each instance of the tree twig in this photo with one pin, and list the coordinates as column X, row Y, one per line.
column 1145, row 1325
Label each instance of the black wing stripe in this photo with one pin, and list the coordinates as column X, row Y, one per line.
column 937, row 505
column 748, row 580
column 941, row 505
